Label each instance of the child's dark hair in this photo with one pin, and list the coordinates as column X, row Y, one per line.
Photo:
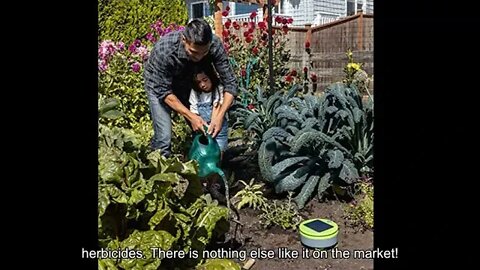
column 209, row 71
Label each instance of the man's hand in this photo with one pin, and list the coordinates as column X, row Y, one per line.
column 197, row 123
column 215, row 125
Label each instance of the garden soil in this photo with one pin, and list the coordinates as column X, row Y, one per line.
column 256, row 237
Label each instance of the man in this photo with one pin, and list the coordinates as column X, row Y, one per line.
column 168, row 79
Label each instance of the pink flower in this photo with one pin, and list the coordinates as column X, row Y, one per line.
column 253, row 15
column 288, row 78
column 137, row 43
column 250, row 106
column 249, row 39
column 132, row 48
column 293, row 72
column 255, row 50
column 243, row 72
column 102, row 65
column 120, row 46
column 313, row 77
column 305, row 69
column 225, row 13
column 151, row 37
column 307, row 44
column 136, row 67
column 227, row 8
column 290, row 20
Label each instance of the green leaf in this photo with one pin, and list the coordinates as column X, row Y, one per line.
column 117, row 194
column 165, row 177
column 291, row 182
column 145, row 241
column 136, row 196
column 219, row 264
column 325, row 183
column 349, row 173
column 103, row 201
column 285, row 164
column 209, row 217
column 335, row 159
column 306, row 191
column 159, row 216
column 113, row 114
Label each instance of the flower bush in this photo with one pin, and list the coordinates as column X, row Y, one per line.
column 120, row 76
column 247, row 47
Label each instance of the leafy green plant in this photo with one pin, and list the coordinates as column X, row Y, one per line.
column 250, row 195
column 127, row 20
column 318, row 143
column 360, row 213
column 257, row 118
column 354, row 74
column 181, row 135
column 283, row 214
column 146, row 200
column 219, row 264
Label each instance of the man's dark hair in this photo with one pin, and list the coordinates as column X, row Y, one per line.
column 198, row 31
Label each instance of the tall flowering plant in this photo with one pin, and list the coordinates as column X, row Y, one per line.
column 247, row 46
column 120, row 76
column 120, row 73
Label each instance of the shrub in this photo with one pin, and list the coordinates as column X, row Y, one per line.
column 127, row 20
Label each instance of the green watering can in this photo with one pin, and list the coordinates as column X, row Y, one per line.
column 206, row 152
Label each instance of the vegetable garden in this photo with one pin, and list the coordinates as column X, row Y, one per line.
column 295, row 152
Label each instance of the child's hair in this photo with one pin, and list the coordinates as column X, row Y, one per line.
column 209, row 71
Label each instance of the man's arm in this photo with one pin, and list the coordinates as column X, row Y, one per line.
column 219, row 113
column 196, row 121
column 220, row 61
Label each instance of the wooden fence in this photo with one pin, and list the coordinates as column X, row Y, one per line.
column 329, row 44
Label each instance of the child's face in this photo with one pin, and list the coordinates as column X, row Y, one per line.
column 203, row 82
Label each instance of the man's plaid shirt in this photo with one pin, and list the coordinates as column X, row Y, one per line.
column 168, row 69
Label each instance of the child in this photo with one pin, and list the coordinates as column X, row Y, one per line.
column 206, row 98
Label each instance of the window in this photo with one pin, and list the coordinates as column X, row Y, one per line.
column 360, row 6
column 350, row 7
column 197, row 10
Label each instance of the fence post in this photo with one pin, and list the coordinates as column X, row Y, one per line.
column 360, row 30
column 306, row 53
column 218, row 18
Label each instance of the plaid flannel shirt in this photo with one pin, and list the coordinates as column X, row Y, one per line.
column 168, row 69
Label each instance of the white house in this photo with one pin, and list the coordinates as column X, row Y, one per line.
column 315, row 12
column 201, row 8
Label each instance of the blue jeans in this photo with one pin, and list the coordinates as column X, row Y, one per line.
column 162, row 125
column 205, row 111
